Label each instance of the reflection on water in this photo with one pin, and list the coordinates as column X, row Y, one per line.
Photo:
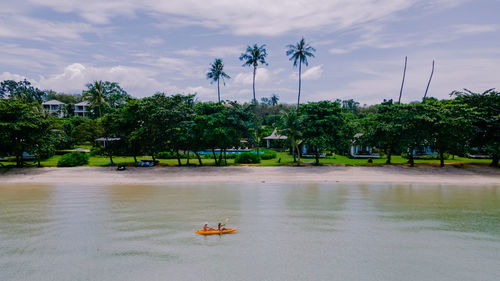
column 286, row 232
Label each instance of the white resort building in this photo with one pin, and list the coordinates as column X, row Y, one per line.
column 81, row 109
column 54, row 107
column 361, row 150
column 274, row 136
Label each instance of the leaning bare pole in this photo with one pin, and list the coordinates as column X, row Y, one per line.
column 402, row 83
column 430, row 78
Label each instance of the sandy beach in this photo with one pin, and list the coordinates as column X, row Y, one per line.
column 467, row 175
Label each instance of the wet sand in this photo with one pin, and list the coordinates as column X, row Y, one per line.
column 467, row 175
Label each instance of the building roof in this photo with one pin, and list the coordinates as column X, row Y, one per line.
column 53, row 102
column 83, row 103
column 107, row 139
column 275, row 136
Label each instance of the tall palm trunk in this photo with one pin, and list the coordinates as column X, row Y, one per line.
column 317, row 155
column 429, row 83
column 218, row 89
column 411, row 159
column 178, row 158
column 300, row 74
column 494, row 161
column 441, row 158
column 254, row 71
column 215, row 157
column 403, row 83
column 298, row 154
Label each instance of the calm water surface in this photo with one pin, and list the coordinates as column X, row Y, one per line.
column 287, row 232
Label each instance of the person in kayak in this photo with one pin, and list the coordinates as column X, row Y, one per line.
column 207, row 228
column 221, row 227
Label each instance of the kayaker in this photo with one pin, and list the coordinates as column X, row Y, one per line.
column 207, row 228
column 221, row 227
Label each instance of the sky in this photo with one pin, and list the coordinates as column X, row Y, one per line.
column 165, row 46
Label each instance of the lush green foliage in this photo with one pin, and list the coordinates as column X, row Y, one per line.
column 104, row 97
column 22, row 91
column 247, row 158
column 25, row 128
column 323, row 126
column 73, row 159
column 163, row 126
column 268, row 154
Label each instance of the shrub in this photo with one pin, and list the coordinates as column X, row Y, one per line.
column 446, row 156
column 211, row 156
column 97, row 150
column 173, row 155
column 247, row 158
column 230, row 155
column 73, row 159
column 167, row 155
column 268, row 154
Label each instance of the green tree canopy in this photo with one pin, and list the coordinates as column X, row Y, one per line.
column 323, row 126
column 22, row 91
column 23, row 128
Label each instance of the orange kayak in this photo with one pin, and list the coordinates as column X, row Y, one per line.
column 210, row 232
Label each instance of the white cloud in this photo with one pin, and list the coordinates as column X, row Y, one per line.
column 240, row 16
column 312, row 73
column 262, row 76
column 219, row 52
column 16, row 25
column 374, row 80
column 15, row 55
column 203, row 93
column 154, row 41
column 474, row 28
column 137, row 81
column 339, row 51
column 11, row 76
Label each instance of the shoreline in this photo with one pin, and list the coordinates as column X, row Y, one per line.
column 467, row 175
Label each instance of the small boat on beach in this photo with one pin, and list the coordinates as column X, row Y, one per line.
column 210, row 232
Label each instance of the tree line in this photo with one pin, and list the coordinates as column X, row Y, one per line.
column 180, row 124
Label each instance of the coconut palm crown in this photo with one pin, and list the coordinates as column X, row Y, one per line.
column 274, row 99
column 299, row 53
column 252, row 57
column 96, row 95
column 216, row 73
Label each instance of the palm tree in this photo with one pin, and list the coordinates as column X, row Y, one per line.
column 252, row 57
column 215, row 73
column 95, row 95
column 299, row 53
column 274, row 99
column 290, row 126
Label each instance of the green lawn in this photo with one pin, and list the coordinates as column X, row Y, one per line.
column 282, row 159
